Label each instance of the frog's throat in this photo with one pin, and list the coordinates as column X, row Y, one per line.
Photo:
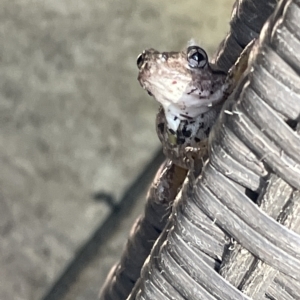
column 175, row 113
column 172, row 120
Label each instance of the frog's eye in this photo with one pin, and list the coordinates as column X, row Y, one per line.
column 140, row 60
column 196, row 57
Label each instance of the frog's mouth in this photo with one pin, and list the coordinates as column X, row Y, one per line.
column 144, row 87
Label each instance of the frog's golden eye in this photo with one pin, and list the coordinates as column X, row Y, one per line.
column 196, row 57
column 140, row 60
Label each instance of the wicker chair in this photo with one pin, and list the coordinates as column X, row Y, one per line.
column 234, row 231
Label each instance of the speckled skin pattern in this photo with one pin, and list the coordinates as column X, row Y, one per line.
column 185, row 92
column 190, row 133
column 191, row 99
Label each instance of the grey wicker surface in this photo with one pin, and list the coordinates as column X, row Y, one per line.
column 234, row 232
column 248, row 17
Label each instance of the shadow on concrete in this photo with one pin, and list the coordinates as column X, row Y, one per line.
column 91, row 248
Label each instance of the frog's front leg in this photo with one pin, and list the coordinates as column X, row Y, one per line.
column 195, row 159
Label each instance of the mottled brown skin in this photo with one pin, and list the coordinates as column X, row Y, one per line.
column 191, row 100
column 161, row 69
column 183, row 91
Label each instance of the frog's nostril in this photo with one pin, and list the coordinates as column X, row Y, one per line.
column 140, row 60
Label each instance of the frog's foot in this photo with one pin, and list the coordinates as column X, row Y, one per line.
column 194, row 159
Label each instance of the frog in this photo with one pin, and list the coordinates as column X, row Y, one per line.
column 191, row 91
column 184, row 82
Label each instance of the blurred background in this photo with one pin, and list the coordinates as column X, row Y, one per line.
column 78, row 146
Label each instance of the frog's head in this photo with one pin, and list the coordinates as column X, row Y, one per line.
column 183, row 82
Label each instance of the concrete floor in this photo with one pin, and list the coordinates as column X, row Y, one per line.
column 75, row 124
